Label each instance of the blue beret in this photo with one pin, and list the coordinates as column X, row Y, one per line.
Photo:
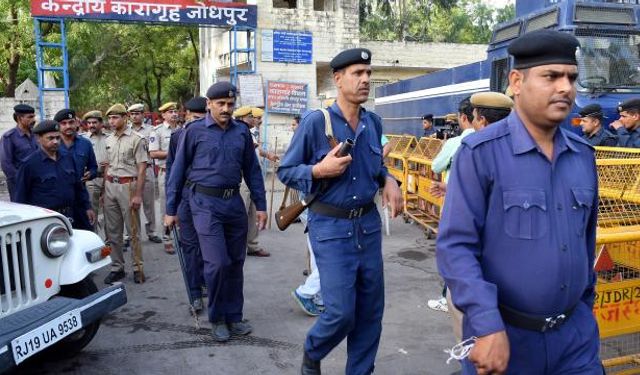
column 221, row 90
column 543, row 47
column 23, row 109
column 631, row 104
column 592, row 110
column 65, row 114
column 46, row 126
column 197, row 104
column 351, row 57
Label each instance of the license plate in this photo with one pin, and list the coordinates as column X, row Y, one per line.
column 45, row 336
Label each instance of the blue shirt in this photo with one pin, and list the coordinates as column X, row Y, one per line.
column 429, row 132
column 628, row 138
column 602, row 137
column 82, row 152
column 48, row 183
column 359, row 183
column 516, row 228
column 214, row 157
column 16, row 148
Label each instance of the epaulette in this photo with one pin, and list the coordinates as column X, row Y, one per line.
column 9, row 132
column 494, row 131
column 577, row 138
column 138, row 134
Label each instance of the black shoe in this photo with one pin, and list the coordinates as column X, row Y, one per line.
column 114, row 276
column 309, row 366
column 138, row 277
column 155, row 239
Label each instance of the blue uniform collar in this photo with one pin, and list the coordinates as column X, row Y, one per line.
column 361, row 117
column 45, row 157
column 522, row 141
column 209, row 121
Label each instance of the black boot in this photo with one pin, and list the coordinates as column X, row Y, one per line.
column 309, row 366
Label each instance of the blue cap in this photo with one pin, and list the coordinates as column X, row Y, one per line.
column 46, row 126
column 65, row 114
column 351, row 57
column 544, row 47
column 23, row 109
column 197, row 104
column 221, row 90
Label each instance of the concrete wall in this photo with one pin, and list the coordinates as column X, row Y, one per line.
column 27, row 93
column 334, row 25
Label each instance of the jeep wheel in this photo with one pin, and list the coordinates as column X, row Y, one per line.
column 78, row 340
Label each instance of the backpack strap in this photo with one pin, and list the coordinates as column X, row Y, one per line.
column 328, row 129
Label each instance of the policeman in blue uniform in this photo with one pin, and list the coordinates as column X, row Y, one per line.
column 17, row 144
column 343, row 222
column 627, row 127
column 212, row 157
column 517, row 235
column 196, row 109
column 80, row 150
column 592, row 130
column 48, row 178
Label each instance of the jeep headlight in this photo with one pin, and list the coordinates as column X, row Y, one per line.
column 55, row 240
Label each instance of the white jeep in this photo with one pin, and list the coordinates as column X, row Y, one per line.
column 48, row 299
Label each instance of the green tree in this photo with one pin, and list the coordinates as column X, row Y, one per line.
column 459, row 21
column 17, row 55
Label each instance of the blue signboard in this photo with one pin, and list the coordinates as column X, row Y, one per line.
column 287, row 46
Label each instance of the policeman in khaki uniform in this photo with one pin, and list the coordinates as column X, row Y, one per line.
column 124, row 184
column 158, row 149
column 99, row 143
column 252, row 117
column 136, row 116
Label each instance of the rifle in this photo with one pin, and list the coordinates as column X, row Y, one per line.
column 176, row 245
column 287, row 215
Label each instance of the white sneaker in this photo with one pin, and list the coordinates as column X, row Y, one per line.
column 439, row 304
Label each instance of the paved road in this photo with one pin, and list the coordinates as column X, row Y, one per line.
column 154, row 334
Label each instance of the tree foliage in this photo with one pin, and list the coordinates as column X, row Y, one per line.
column 108, row 62
column 17, row 54
column 454, row 21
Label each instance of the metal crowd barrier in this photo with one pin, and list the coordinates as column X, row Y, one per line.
column 617, row 304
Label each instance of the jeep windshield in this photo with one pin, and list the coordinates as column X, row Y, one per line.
column 609, row 62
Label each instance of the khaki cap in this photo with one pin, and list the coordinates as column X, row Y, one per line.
column 138, row 107
column 491, row 100
column 117, row 109
column 242, row 111
column 168, row 106
column 257, row 112
column 451, row 117
column 92, row 114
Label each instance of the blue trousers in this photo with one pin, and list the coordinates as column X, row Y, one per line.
column 194, row 265
column 349, row 258
column 221, row 225
column 570, row 349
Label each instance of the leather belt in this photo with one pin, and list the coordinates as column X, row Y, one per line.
column 341, row 213
column 525, row 321
column 224, row 193
column 121, row 180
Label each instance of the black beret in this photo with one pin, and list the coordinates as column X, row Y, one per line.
column 23, row 109
column 197, row 104
column 631, row 104
column 350, row 57
column 428, row 116
column 543, row 47
column 592, row 110
column 65, row 114
column 221, row 90
column 46, row 126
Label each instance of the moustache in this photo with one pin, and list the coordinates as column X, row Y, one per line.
column 225, row 114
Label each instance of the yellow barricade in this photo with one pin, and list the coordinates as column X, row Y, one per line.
column 396, row 161
column 420, row 204
column 617, row 304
